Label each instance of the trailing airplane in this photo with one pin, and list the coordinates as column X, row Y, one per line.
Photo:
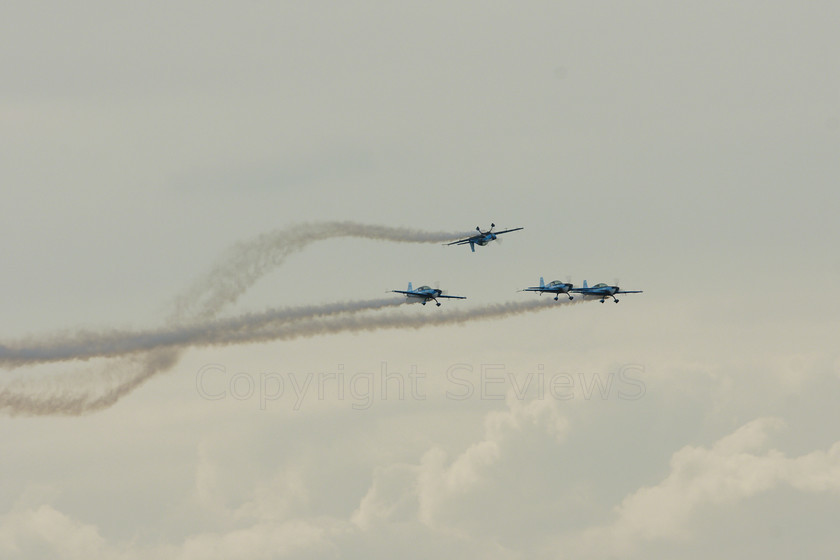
column 602, row 290
column 555, row 287
column 483, row 237
column 424, row 294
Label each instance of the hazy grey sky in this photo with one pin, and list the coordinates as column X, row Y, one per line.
column 692, row 152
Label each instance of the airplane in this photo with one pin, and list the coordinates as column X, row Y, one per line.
column 483, row 237
column 556, row 287
column 602, row 290
column 425, row 294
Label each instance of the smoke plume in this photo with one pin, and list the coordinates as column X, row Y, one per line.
column 88, row 392
column 84, row 345
column 282, row 324
column 247, row 261
column 147, row 353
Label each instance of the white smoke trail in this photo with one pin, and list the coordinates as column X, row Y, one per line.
column 89, row 392
column 272, row 325
column 316, row 326
column 85, row 345
column 93, row 391
column 247, row 261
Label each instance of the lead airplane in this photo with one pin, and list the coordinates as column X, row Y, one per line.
column 555, row 287
column 424, row 294
column 603, row 290
column 483, row 237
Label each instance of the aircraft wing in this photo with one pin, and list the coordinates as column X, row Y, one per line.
column 462, row 241
column 452, row 297
column 406, row 293
column 533, row 289
column 630, row 292
column 507, row 230
column 590, row 291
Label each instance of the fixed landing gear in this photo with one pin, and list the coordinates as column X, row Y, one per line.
column 571, row 297
column 616, row 300
column 555, row 298
column 602, row 301
column 438, row 304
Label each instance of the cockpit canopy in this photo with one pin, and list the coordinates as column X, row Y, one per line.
column 423, row 288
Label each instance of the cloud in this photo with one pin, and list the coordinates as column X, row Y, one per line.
column 392, row 497
column 733, row 469
column 442, row 499
column 263, row 540
column 432, row 489
column 46, row 532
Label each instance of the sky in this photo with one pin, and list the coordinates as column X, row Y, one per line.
column 692, row 152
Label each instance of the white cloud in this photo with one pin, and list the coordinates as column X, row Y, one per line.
column 46, row 532
column 391, row 497
column 403, row 497
column 733, row 469
column 441, row 499
column 431, row 489
column 263, row 540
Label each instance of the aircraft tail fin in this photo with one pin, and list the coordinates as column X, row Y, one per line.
column 472, row 246
column 542, row 282
column 584, row 284
column 409, row 287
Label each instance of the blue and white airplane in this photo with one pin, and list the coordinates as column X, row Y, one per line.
column 602, row 290
column 424, row 294
column 483, row 237
column 555, row 287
